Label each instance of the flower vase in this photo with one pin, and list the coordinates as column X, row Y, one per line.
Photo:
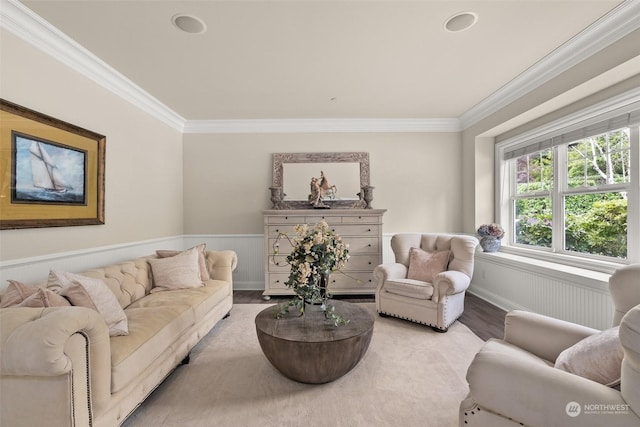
column 490, row 243
column 323, row 284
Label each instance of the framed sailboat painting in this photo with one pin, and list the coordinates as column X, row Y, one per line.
column 52, row 172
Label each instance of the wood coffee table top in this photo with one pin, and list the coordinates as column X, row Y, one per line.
column 313, row 326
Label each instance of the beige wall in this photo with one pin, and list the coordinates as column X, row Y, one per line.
column 416, row 178
column 143, row 156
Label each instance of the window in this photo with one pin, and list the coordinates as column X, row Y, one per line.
column 575, row 191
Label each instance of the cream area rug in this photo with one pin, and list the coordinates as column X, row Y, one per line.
column 410, row 376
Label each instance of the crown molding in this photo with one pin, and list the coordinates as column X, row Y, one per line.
column 619, row 22
column 21, row 21
column 24, row 23
column 322, row 125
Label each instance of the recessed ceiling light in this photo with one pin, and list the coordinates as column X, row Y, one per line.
column 189, row 24
column 461, row 21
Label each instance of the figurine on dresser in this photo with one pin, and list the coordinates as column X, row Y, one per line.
column 321, row 189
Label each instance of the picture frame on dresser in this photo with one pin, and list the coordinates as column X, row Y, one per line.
column 52, row 173
column 352, row 167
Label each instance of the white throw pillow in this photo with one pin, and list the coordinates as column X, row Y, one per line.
column 202, row 259
column 83, row 291
column 597, row 357
column 177, row 272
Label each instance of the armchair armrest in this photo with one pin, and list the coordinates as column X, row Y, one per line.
column 538, row 395
column 449, row 283
column 544, row 336
column 385, row 272
column 221, row 264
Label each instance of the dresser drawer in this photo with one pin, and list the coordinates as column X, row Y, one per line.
column 362, row 281
column 362, row 262
column 277, row 281
column 359, row 245
column 362, row 230
column 287, row 219
column 289, row 230
column 278, row 264
column 312, row 220
column 284, row 246
column 361, row 219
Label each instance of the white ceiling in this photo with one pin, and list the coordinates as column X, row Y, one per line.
column 321, row 59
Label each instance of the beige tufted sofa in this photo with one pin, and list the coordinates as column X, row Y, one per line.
column 60, row 367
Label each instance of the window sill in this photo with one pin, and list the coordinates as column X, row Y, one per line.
column 554, row 266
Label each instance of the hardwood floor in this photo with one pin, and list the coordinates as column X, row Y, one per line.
column 483, row 318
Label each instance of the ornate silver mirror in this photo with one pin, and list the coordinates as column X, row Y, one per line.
column 321, row 180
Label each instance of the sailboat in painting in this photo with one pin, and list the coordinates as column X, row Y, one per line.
column 46, row 174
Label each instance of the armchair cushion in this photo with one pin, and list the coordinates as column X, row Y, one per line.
column 410, row 288
column 425, row 265
column 597, row 357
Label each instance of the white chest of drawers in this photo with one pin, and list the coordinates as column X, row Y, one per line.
column 360, row 228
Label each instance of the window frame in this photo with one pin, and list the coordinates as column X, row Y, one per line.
column 505, row 182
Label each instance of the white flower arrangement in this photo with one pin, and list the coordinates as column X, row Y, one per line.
column 316, row 252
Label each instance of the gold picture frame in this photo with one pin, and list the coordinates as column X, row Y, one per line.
column 51, row 172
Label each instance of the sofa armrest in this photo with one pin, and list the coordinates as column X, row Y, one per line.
column 449, row 283
column 539, row 395
column 385, row 272
column 66, row 349
column 221, row 264
column 544, row 336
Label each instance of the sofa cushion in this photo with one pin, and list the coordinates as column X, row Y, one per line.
column 16, row 293
column 597, row 357
column 204, row 273
column 409, row 288
column 178, row 272
column 152, row 330
column 45, row 298
column 201, row 300
column 425, row 265
column 84, row 291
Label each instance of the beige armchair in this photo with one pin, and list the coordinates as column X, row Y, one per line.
column 414, row 287
column 513, row 381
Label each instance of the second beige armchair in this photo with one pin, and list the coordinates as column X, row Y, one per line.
column 427, row 283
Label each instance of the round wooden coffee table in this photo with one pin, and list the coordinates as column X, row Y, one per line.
column 309, row 348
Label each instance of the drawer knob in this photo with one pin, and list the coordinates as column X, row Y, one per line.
column 369, row 230
column 359, row 217
column 369, row 245
column 370, row 263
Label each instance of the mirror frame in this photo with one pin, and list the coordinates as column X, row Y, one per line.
column 350, row 157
